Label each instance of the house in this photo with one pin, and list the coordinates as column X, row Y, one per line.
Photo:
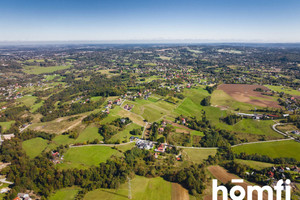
column 161, row 129
column 183, row 121
column 23, row 196
column 161, row 148
column 271, row 174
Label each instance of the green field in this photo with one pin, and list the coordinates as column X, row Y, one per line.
column 191, row 104
column 90, row 133
column 60, row 140
column 254, row 164
column 151, row 110
column 198, row 155
column 36, row 106
column 125, row 135
column 288, row 148
column 65, row 194
column 191, row 107
column 141, row 189
column 221, row 98
column 6, row 125
column 87, row 156
column 34, row 147
column 286, row 90
column 27, row 100
column 42, row 70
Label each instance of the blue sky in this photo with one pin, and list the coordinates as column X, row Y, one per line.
column 211, row 20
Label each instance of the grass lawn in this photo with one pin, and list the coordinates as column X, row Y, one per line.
column 141, row 189
column 96, row 98
column 125, row 147
column 288, row 148
column 34, row 147
column 59, row 140
column 90, row 133
column 84, row 157
column 42, row 70
column 27, row 100
column 151, row 110
column 254, row 164
column 36, row 106
column 125, row 135
column 65, row 194
column 198, row 155
column 286, row 90
column 191, row 104
column 6, row 125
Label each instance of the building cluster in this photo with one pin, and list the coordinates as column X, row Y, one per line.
column 22, row 196
column 56, row 157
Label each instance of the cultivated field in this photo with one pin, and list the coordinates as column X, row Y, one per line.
column 222, row 175
column 244, row 93
column 278, row 149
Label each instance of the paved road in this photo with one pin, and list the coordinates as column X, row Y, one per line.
column 3, row 180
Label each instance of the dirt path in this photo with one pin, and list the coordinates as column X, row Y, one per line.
column 222, row 175
column 179, row 193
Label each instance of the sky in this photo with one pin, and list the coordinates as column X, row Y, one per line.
column 150, row 20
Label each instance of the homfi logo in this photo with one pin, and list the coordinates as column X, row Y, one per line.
column 237, row 192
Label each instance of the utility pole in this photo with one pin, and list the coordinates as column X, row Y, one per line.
column 129, row 188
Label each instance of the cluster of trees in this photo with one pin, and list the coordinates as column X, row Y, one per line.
column 265, row 158
column 94, row 117
column 137, row 131
column 13, row 113
column 218, row 138
column 98, row 85
column 121, row 122
column 206, row 101
column 107, row 131
column 231, row 119
column 51, row 113
column 194, row 123
column 210, row 89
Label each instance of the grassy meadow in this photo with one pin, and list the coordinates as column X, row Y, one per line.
column 198, row 155
column 41, row 70
column 254, row 164
column 6, row 125
column 34, row 147
column 65, row 194
column 142, row 188
column 87, row 156
column 287, row 148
